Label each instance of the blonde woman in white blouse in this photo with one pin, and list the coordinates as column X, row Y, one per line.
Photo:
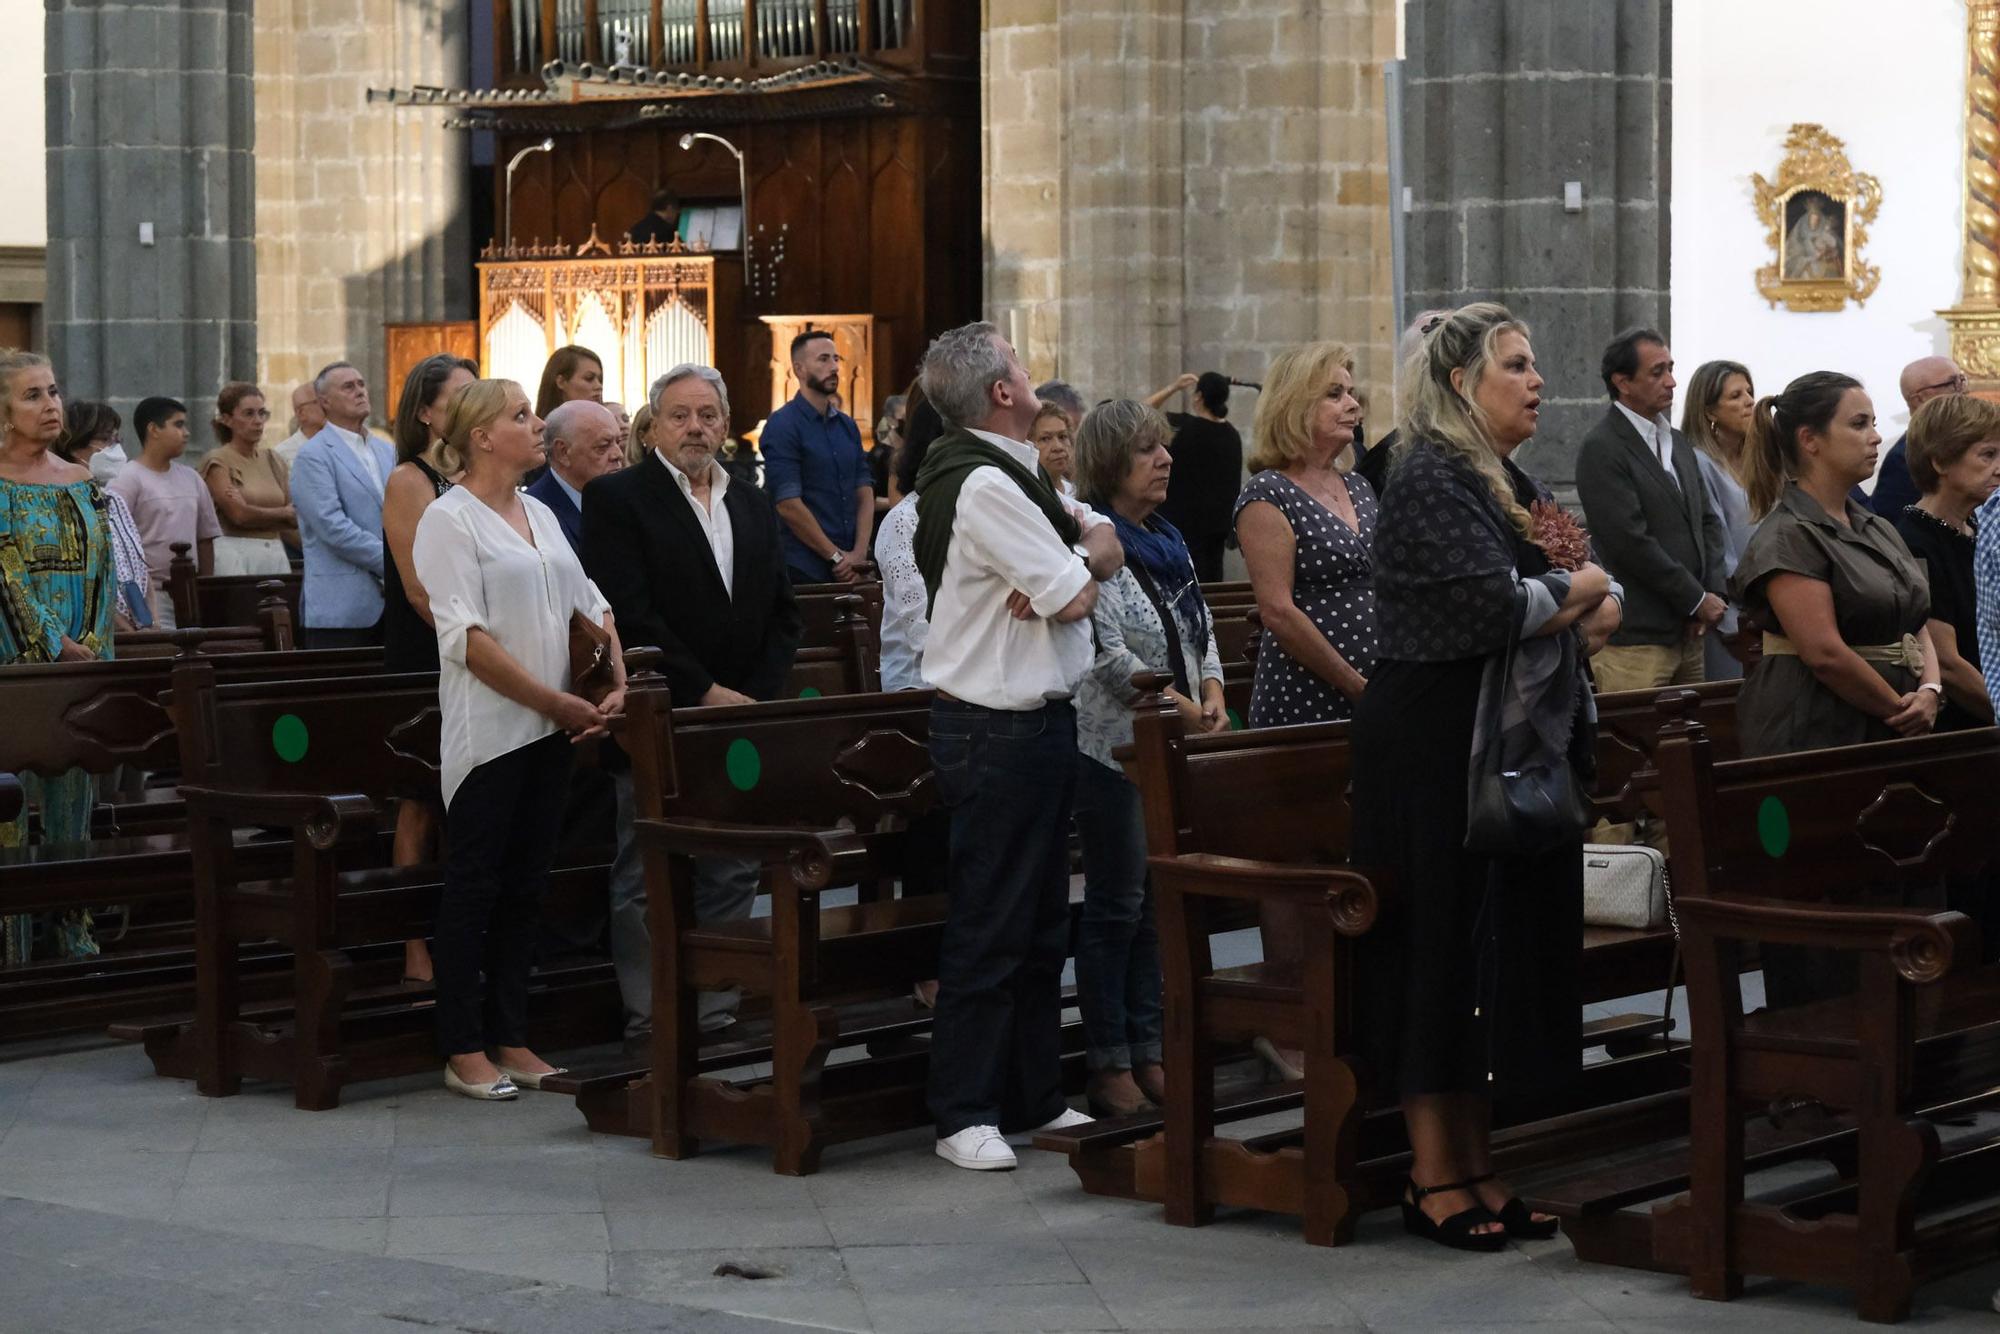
column 503, row 584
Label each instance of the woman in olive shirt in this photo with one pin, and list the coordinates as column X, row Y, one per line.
column 1842, row 604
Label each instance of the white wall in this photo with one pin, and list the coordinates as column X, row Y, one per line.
column 1889, row 80
column 24, row 217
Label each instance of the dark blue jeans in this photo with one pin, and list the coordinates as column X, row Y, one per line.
column 1006, row 778
column 1117, row 943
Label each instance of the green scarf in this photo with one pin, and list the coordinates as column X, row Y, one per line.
column 951, row 459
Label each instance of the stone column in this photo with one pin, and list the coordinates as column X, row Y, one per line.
column 1177, row 185
column 363, row 212
column 1506, row 101
column 149, row 125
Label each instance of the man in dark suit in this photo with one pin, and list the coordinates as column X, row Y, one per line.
column 584, row 443
column 690, row 561
column 1654, row 528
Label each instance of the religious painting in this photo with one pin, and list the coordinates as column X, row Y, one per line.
column 1817, row 213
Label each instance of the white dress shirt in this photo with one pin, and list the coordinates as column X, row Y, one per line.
column 713, row 518
column 480, row 572
column 1659, row 437
column 905, row 619
column 363, row 448
column 1000, row 543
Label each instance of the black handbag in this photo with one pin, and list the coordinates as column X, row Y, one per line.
column 1513, row 812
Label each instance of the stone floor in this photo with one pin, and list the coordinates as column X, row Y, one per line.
column 127, row 1203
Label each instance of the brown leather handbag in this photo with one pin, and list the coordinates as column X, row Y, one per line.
column 591, row 674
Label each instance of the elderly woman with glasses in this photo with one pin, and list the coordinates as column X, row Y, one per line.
column 1149, row 618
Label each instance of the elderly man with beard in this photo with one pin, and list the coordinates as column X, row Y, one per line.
column 817, row 472
column 691, row 564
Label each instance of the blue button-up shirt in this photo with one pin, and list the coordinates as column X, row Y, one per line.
column 817, row 459
column 1986, row 583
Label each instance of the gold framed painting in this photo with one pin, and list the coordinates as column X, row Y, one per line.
column 1816, row 215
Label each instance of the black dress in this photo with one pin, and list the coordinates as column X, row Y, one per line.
column 409, row 644
column 1201, row 492
column 1946, row 555
column 1470, row 983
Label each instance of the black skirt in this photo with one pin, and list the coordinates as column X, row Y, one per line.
column 1471, row 980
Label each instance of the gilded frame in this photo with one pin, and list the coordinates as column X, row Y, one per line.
column 1816, row 216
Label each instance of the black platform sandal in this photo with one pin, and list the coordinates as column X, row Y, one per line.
column 1518, row 1218
column 1456, row 1231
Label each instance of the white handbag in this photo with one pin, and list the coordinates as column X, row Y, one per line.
column 1624, row 885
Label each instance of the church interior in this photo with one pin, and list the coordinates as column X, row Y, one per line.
column 223, row 1111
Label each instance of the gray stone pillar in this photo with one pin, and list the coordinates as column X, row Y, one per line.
column 1505, row 102
column 150, row 122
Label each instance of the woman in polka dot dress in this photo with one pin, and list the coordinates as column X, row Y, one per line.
column 1305, row 529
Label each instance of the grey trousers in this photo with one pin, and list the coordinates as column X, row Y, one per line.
column 724, row 890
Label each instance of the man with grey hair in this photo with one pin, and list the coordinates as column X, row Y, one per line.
column 691, row 565
column 1922, row 380
column 1065, row 396
column 1011, row 569
column 584, row 443
column 337, row 485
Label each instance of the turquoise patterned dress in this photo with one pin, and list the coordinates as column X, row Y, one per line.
column 57, row 578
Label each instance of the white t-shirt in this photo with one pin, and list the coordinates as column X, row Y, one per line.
column 480, row 572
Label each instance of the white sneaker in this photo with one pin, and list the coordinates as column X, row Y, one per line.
column 977, row 1148
column 1065, row 1120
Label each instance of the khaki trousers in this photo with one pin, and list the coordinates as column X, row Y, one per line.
column 1648, row 666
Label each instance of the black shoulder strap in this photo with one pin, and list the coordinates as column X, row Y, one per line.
column 1176, row 659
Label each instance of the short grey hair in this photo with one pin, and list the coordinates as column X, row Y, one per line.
column 894, row 404
column 689, row 370
column 1065, row 396
column 1107, row 442
column 565, row 420
column 326, row 374
column 960, row 366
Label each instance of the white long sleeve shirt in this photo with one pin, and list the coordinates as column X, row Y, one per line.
column 1001, row 542
column 480, row 572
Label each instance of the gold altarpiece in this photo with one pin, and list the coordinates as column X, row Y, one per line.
column 641, row 309
column 1975, row 321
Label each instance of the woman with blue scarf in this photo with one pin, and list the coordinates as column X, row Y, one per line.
column 1150, row 618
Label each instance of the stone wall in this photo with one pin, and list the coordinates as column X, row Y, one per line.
column 362, row 211
column 151, row 272
column 1182, row 185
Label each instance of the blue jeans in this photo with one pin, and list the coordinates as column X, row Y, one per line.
column 1118, row 942
column 996, row 1043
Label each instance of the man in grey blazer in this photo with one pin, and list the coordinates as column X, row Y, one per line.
column 337, row 483
column 1650, row 518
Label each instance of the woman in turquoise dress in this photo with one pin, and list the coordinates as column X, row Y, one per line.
column 58, row 590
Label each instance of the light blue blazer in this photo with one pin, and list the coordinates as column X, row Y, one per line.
column 340, row 524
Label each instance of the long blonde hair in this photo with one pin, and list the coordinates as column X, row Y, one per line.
column 1281, row 432
column 1468, row 339
column 1704, row 391
column 472, row 407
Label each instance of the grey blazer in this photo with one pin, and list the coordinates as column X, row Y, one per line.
column 1664, row 543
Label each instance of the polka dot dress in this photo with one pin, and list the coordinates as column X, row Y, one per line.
column 1332, row 584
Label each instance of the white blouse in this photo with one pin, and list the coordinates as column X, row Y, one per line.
column 905, row 602
column 480, row 572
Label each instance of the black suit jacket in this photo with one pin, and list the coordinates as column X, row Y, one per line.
column 647, row 554
column 1663, row 543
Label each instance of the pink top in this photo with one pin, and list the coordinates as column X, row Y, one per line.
column 167, row 507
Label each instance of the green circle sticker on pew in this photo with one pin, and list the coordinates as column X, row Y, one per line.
column 810, row 692
column 1774, row 826
column 288, row 738
column 1235, row 721
column 743, row 764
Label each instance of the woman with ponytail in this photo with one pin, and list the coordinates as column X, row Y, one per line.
column 1840, row 601
column 1471, row 982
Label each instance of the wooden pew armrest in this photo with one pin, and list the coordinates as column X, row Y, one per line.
column 814, row 858
column 1356, row 895
column 1923, row 945
column 323, row 820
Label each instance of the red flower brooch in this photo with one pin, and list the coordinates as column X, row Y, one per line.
column 1561, row 538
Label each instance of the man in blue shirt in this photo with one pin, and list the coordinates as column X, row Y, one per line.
column 817, row 473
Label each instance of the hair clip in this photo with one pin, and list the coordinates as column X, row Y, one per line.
column 1431, row 324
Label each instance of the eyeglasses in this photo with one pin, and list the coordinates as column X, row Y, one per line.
column 1957, row 384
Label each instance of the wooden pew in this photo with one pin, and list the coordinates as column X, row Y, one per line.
column 1238, row 819
column 321, row 759
column 228, row 599
column 816, row 790
column 1818, row 849
column 824, row 607
column 98, row 716
column 849, row 661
